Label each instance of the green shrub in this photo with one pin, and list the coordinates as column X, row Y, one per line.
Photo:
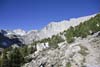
column 53, row 42
column 68, row 64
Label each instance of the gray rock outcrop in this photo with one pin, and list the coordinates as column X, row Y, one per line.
column 82, row 53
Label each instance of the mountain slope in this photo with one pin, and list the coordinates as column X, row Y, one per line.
column 56, row 27
column 81, row 53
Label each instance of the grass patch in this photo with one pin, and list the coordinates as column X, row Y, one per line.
column 68, row 64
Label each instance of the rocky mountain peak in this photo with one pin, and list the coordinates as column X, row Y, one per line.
column 19, row 32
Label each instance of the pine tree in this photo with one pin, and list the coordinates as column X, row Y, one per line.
column 16, row 58
column 4, row 60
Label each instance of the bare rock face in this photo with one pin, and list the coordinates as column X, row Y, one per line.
column 30, row 37
column 82, row 53
column 56, row 27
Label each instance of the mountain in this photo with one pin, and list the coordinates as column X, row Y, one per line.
column 76, row 45
column 56, row 27
column 6, row 41
column 51, row 29
column 80, row 47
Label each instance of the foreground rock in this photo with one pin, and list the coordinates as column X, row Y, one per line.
column 82, row 53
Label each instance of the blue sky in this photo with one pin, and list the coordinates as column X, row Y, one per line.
column 35, row 14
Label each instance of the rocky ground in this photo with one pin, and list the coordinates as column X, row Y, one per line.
column 82, row 53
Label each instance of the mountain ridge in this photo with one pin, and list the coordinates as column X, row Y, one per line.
column 52, row 28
